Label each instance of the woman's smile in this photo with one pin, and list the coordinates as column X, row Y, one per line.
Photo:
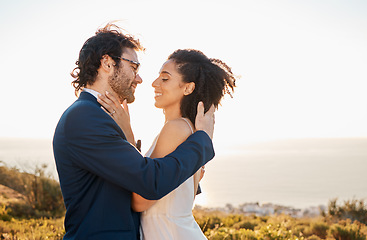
column 157, row 94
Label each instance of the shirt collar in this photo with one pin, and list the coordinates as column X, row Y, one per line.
column 91, row 91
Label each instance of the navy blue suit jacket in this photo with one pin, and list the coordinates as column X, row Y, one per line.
column 98, row 170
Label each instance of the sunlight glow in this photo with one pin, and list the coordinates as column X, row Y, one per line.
column 302, row 76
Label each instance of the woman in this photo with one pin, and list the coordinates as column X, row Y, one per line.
column 185, row 79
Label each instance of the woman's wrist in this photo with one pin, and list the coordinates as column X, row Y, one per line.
column 130, row 137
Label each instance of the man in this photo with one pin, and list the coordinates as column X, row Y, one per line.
column 98, row 168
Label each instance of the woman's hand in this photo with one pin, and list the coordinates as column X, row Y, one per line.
column 202, row 172
column 119, row 113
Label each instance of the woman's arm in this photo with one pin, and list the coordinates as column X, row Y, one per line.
column 140, row 204
column 172, row 135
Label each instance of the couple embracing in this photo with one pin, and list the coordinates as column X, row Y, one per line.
column 110, row 190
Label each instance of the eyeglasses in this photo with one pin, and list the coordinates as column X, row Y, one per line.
column 136, row 64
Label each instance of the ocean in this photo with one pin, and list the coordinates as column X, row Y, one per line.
column 297, row 173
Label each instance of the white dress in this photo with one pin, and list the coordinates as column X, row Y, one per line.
column 170, row 218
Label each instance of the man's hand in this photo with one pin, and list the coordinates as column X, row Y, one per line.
column 205, row 122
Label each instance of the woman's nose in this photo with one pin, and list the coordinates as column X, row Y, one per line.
column 155, row 83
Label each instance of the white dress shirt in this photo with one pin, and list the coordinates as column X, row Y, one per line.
column 91, row 91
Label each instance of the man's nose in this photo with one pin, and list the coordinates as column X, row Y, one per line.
column 138, row 79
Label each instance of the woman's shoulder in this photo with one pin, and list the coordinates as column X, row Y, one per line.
column 173, row 133
column 178, row 126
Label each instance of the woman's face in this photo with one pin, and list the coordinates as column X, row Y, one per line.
column 169, row 88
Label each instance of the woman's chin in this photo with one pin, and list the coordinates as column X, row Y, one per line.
column 157, row 105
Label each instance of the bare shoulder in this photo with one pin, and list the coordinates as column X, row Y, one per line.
column 176, row 130
column 178, row 126
column 173, row 133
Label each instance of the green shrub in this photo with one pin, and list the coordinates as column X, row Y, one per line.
column 351, row 209
column 319, row 229
column 276, row 232
column 230, row 220
column 20, row 210
column 348, row 232
column 5, row 217
column 246, row 234
column 314, row 237
column 42, row 194
column 275, row 228
column 207, row 223
column 245, row 224
column 300, row 230
column 35, row 229
column 232, row 234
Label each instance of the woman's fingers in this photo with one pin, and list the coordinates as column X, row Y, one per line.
column 125, row 106
column 112, row 98
column 112, row 101
column 105, row 103
column 119, row 113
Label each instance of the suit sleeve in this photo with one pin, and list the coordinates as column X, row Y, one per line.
column 95, row 145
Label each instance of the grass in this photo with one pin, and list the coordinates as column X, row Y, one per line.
column 216, row 226
column 278, row 227
column 37, row 214
column 32, row 229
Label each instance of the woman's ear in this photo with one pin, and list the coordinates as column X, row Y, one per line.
column 189, row 88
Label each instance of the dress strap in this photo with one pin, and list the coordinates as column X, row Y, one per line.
column 192, row 130
column 196, row 176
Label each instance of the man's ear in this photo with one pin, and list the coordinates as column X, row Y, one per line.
column 189, row 88
column 106, row 63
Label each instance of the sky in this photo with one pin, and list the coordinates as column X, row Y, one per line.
column 302, row 63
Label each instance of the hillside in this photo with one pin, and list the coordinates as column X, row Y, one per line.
column 29, row 195
column 8, row 195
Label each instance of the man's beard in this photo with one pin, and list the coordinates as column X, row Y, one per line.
column 121, row 84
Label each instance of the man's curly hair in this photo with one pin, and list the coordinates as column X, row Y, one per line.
column 108, row 40
column 212, row 77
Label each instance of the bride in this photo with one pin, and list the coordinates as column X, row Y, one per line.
column 185, row 79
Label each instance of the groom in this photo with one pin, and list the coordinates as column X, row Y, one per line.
column 98, row 168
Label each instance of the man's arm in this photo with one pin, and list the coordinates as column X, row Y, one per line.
column 172, row 135
column 97, row 147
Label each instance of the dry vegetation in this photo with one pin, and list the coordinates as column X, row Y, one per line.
column 31, row 207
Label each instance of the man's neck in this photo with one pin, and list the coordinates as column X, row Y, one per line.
column 91, row 91
column 97, row 89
